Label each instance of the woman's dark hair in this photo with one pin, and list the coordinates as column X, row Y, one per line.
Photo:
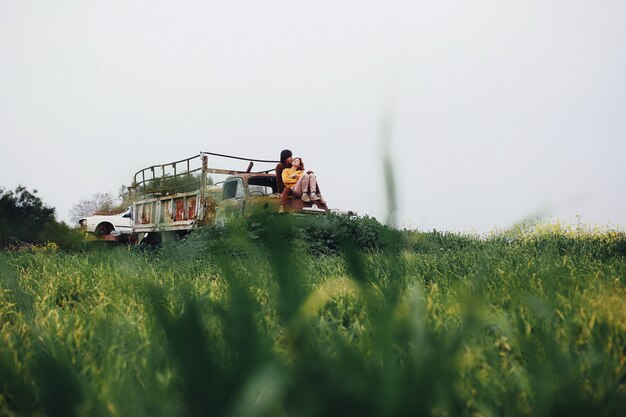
column 284, row 154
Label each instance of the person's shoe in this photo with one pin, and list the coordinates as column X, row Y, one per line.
column 281, row 209
column 315, row 197
column 305, row 198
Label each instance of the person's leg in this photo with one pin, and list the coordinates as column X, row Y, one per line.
column 284, row 196
column 304, row 179
column 313, row 186
column 298, row 188
column 319, row 192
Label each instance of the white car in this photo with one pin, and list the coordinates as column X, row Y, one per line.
column 119, row 225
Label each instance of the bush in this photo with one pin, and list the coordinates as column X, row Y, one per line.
column 26, row 220
column 318, row 235
column 330, row 234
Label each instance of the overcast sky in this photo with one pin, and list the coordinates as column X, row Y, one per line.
column 499, row 110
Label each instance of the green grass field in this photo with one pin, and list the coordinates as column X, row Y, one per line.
column 357, row 320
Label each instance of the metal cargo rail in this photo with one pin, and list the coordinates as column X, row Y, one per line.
column 179, row 195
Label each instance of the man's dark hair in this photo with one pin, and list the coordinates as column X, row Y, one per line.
column 284, row 154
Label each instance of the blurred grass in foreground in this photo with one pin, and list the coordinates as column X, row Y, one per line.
column 337, row 318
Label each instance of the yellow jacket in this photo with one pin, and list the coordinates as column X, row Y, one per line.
column 287, row 172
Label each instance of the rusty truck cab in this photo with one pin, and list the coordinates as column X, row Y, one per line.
column 249, row 194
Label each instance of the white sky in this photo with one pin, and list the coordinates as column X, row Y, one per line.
column 500, row 110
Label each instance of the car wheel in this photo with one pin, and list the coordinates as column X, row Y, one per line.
column 104, row 229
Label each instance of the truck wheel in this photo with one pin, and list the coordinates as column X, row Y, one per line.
column 151, row 239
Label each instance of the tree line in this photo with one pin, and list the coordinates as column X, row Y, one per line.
column 26, row 220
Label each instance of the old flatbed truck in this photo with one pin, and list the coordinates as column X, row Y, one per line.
column 170, row 200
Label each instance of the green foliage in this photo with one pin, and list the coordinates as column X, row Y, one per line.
column 328, row 235
column 61, row 234
column 258, row 320
column 436, row 242
column 23, row 215
column 25, row 219
column 170, row 184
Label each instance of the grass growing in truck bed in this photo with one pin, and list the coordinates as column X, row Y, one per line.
column 182, row 183
column 263, row 321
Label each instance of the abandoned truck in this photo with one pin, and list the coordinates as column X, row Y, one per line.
column 169, row 200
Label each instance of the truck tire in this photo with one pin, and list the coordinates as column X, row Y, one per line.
column 151, row 239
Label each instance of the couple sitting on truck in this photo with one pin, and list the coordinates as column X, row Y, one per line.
column 292, row 179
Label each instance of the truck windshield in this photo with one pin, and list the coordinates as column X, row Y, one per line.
column 233, row 189
column 262, row 185
column 260, row 190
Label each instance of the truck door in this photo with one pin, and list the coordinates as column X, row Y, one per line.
column 233, row 200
